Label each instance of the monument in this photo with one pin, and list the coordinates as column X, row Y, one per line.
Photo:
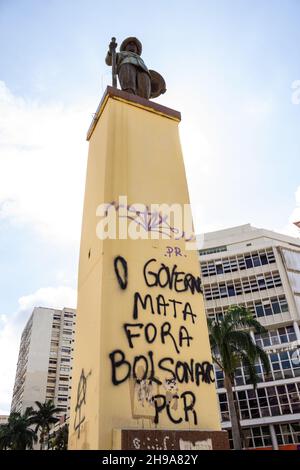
column 142, row 374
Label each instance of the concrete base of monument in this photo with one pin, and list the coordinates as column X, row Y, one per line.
column 142, row 356
column 164, row 439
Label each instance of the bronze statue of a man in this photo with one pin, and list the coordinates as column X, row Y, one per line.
column 134, row 76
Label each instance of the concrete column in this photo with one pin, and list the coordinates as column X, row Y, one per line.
column 134, row 146
column 273, row 437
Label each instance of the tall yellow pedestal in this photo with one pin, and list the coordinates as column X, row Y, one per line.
column 142, row 357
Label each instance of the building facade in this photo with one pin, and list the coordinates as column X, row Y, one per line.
column 260, row 270
column 3, row 420
column 44, row 368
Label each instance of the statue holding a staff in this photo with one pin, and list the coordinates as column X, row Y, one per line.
column 134, row 76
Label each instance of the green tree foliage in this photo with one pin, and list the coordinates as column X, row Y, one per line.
column 43, row 418
column 17, row 434
column 232, row 346
column 59, row 440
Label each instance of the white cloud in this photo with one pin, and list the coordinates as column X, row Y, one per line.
column 11, row 327
column 290, row 228
column 42, row 164
column 258, row 109
column 55, row 297
column 295, row 217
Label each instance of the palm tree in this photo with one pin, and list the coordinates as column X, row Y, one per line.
column 43, row 418
column 232, row 346
column 17, row 434
column 60, row 439
column 5, row 437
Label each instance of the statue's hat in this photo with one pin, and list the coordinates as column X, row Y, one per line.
column 131, row 39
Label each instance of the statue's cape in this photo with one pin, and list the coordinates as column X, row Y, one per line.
column 125, row 57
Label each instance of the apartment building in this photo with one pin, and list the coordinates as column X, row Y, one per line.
column 3, row 420
column 260, row 270
column 44, row 368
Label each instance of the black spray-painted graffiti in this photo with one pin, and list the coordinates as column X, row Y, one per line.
column 146, row 368
column 80, row 401
column 163, row 276
column 121, row 271
column 150, row 334
column 160, row 306
column 150, row 221
column 181, row 371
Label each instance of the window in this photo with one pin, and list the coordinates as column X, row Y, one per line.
column 264, row 402
column 223, row 291
column 268, row 310
column 268, row 306
column 284, row 305
column 212, row 250
column 255, row 437
column 246, row 285
column 259, row 310
column 276, row 307
column 219, row 377
column 231, row 291
column 291, row 334
column 219, row 268
column 263, row 259
column 288, row 433
column 234, row 263
column 256, row 260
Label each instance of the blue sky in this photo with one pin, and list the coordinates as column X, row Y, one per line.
column 229, row 67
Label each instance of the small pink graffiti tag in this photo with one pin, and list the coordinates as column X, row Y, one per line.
column 173, row 251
